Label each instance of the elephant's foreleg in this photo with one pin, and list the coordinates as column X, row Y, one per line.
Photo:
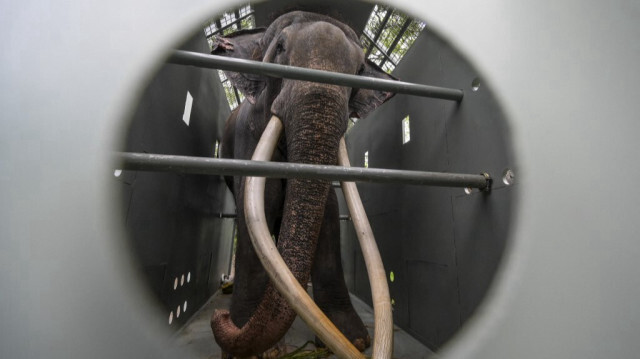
column 329, row 288
column 250, row 277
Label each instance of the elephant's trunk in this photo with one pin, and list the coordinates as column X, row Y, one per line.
column 313, row 130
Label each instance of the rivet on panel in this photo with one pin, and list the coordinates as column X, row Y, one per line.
column 508, row 177
column 475, row 84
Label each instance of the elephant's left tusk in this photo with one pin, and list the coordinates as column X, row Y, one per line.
column 281, row 277
column 383, row 330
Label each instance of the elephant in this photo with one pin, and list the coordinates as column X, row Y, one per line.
column 301, row 213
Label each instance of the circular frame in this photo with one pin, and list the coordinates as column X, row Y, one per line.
column 574, row 239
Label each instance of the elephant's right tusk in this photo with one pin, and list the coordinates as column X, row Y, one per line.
column 280, row 275
column 383, row 330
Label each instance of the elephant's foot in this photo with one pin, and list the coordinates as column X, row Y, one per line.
column 351, row 326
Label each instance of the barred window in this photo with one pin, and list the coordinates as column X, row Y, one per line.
column 231, row 21
column 388, row 36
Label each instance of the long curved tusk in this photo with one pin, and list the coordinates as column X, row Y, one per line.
column 383, row 330
column 280, row 275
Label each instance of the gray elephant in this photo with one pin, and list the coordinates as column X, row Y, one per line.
column 302, row 214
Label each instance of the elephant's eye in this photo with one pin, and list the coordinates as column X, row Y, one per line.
column 279, row 48
column 361, row 69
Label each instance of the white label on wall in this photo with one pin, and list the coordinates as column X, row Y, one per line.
column 406, row 131
column 187, row 109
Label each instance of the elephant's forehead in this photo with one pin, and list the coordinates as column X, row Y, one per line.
column 301, row 19
column 316, row 31
column 323, row 47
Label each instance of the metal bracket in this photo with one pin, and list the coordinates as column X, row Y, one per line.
column 487, row 187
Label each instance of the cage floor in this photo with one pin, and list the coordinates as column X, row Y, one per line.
column 197, row 338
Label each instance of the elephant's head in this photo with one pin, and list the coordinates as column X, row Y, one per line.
column 315, row 118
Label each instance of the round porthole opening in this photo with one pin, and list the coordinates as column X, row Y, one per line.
column 182, row 227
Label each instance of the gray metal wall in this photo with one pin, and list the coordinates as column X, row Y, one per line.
column 171, row 218
column 442, row 245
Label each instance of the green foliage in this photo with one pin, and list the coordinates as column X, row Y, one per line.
column 229, row 22
column 248, row 23
column 302, row 353
column 387, row 23
column 230, row 93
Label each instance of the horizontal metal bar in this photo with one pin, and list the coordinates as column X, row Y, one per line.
column 343, row 217
column 181, row 57
column 215, row 166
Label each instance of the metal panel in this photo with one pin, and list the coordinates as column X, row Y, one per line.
column 431, row 302
column 481, row 228
column 441, row 244
column 179, row 245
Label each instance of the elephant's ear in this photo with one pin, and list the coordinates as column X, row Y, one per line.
column 363, row 101
column 244, row 44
